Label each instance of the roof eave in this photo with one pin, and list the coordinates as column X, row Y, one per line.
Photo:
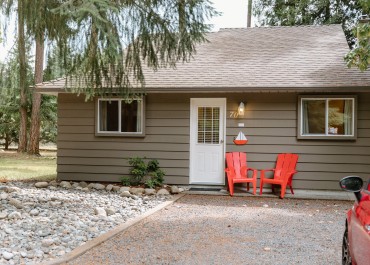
column 342, row 89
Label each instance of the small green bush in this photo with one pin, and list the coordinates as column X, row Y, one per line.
column 126, row 181
column 140, row 170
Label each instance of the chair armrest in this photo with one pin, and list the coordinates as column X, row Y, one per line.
column 244, row 171
column 230, row 172
column 262, row 175
column 254, row 176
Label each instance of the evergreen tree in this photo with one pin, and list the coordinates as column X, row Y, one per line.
column 41, row 23
column 359, row 56
column 110, row 42
column 10, row 117
column 309, row 12
column 116, row 38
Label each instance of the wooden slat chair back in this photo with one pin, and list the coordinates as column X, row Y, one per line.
column 283, row 173
column 237, row 171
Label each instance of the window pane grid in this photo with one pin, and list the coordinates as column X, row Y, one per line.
column 208, row 125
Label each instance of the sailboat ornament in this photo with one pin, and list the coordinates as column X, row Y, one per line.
column 240, row 139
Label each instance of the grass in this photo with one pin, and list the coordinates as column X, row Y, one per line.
column 20, row 167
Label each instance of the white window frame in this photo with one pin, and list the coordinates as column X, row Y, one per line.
column 98, row 132
column 327, row 136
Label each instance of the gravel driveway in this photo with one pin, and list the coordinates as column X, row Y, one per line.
column 200, row 229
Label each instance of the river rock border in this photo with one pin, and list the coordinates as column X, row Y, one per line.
column 45, row 220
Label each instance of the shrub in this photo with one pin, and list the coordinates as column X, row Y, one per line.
column 126, row 181
column 140, row 170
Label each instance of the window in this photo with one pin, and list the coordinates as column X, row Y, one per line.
column 208, row 125
column 327, row 117
column 118, row 117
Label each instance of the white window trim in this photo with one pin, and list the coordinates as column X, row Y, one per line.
column 327, row 136
column 98, row 132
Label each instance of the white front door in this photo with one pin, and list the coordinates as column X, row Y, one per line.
column 207, row 134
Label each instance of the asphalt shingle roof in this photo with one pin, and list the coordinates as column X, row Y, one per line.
column 265, row 58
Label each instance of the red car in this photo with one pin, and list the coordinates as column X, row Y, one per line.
column 356, row 238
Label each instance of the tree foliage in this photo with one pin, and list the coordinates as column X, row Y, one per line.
column 10, row 100
column 359, row 56
column 105, row 44
column 10, row 117
column 309, row 12
column 116, row 39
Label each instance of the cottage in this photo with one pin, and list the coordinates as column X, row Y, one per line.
column 294, row 91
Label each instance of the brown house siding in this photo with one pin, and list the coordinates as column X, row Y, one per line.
column 270, row 126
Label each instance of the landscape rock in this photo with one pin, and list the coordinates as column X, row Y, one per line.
column 109, row 187
column 110, row 211
column 116, row 188
column 3, row 196
column 12, row 189
column 16, row 203
column 137, row 191
column 175, row 190
column 83, row 184
column 65, row 184
column 47, row 242
column 53, row 183
column 124, row 189
column 100, row 211
column 42, row 184
column 149, row 191
column 163, row 192
column 55, row 220
column 34, row 212
column 7, row 255
column 99, row 186
column 126, row 194
column 14, row 215
column 3, row 215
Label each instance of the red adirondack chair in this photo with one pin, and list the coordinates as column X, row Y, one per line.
column 237, row 171
column 283, row 173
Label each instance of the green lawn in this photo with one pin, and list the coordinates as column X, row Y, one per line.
column 15, row 166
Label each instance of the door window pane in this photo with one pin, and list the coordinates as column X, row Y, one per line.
column 208, row 125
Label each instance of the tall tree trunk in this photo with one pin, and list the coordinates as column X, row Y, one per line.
column 22, row 143
column 7, row 142
column 249, row 17
column 34, row 139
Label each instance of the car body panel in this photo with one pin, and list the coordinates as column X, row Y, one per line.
column 359, row 229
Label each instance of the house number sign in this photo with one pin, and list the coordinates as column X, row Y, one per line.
column 233, row 114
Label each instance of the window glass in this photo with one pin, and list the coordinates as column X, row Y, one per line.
column 131, row 116
column 208, row 125
column 340, row 117
column 313, row 116
column 327, row 117
column 116, row 115
column 108, row 113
